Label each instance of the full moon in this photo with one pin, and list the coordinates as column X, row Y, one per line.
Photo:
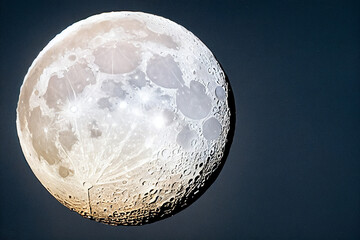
column 125, row 117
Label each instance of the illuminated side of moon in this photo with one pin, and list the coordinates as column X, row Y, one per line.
column 125, row 117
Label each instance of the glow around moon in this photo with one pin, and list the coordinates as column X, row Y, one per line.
column 125, row 117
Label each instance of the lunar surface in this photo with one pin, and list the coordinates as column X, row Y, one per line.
column 125, row 118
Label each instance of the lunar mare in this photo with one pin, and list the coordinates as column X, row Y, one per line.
column 125, row 117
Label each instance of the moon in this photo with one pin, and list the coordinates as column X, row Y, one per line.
column 125, row 117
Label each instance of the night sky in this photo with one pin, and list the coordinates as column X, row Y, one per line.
column 293, row 171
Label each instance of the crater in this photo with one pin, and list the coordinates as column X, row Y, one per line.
column 64, row 172
column 220, row 93
column 211, row 129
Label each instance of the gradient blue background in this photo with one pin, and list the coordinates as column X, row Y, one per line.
column 293, row 171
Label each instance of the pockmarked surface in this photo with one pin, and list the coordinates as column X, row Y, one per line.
column 124, row 116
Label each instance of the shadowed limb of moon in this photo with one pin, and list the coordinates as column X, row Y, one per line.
column 215, row 174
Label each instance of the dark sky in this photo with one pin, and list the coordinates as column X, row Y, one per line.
column 293, row 171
